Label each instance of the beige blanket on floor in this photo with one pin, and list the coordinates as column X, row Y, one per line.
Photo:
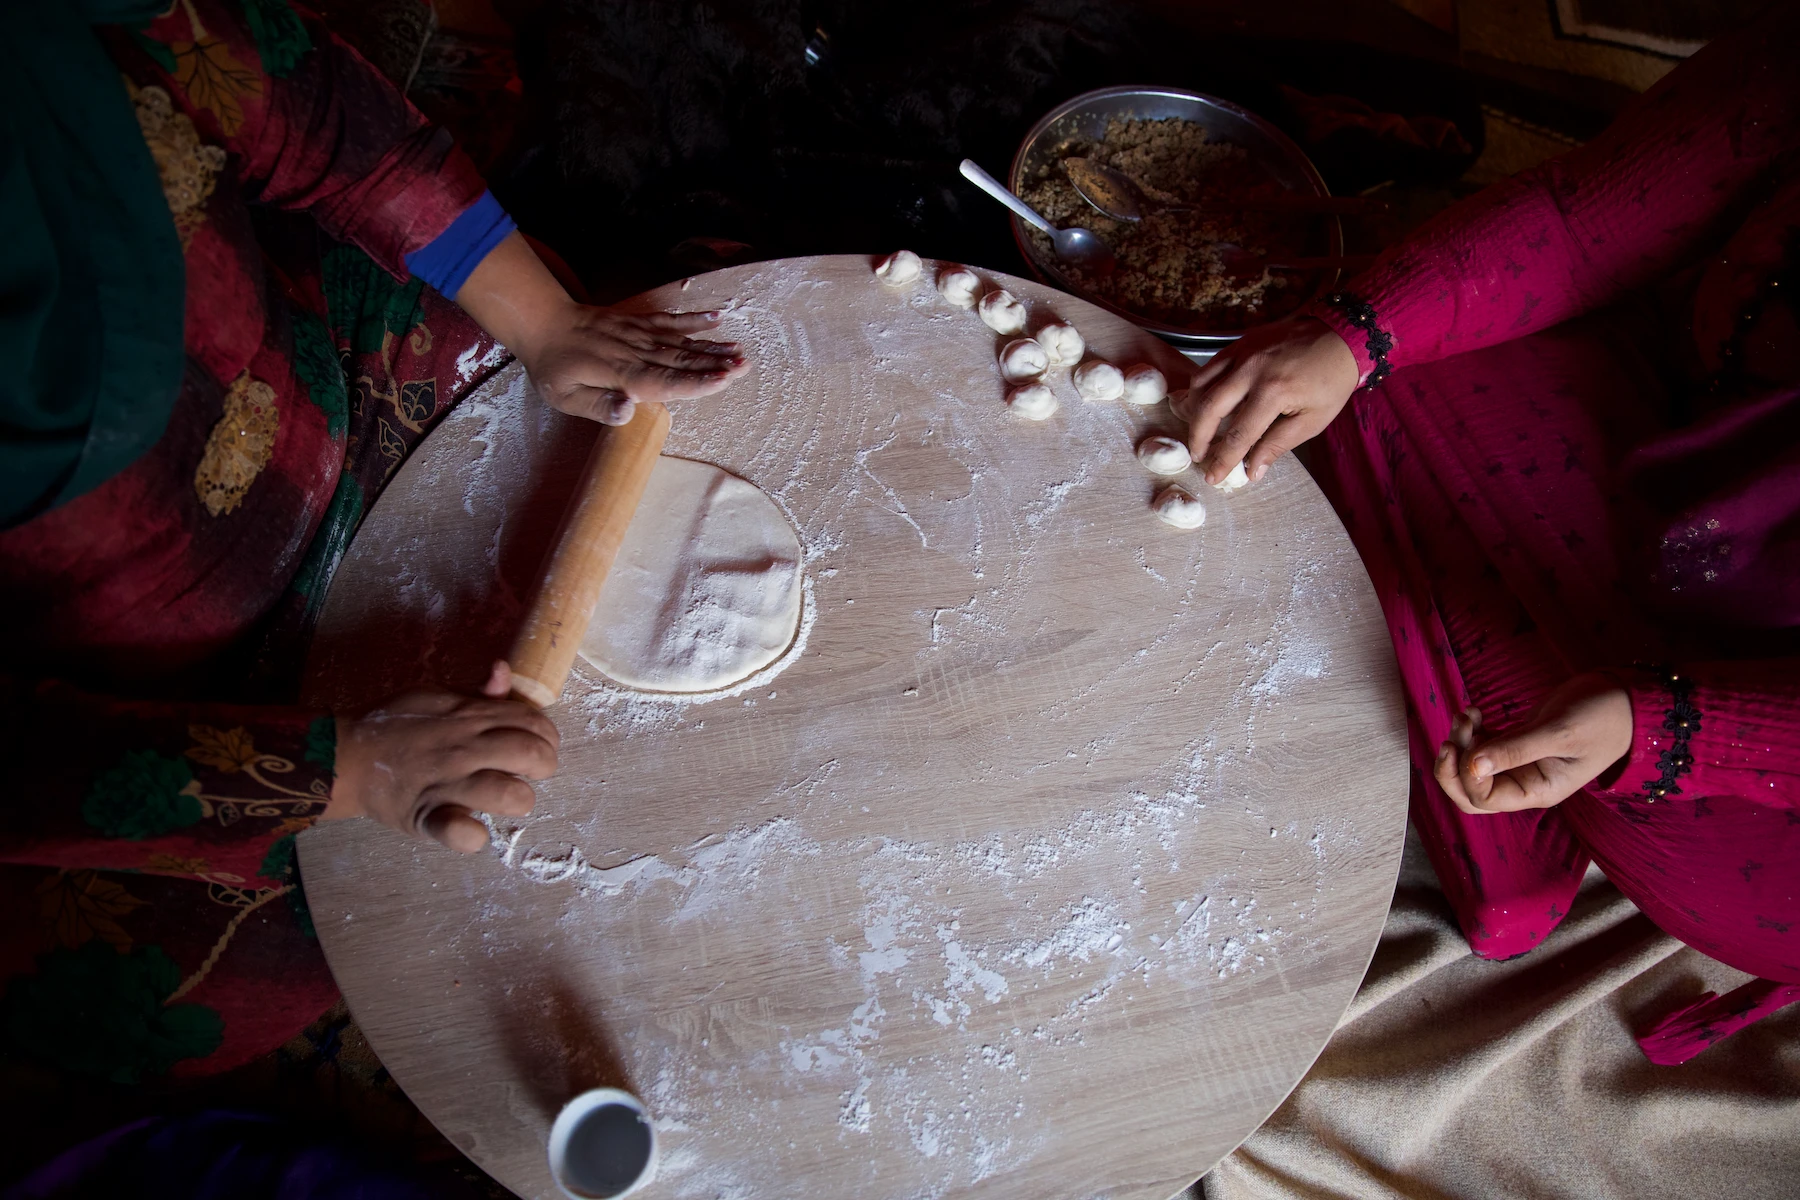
column 1455, row 1077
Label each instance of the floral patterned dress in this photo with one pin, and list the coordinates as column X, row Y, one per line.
column 156, row 624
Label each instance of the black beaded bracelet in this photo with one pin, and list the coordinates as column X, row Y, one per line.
column 1361, row 313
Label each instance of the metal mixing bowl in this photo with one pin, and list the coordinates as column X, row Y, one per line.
column 1085, row 118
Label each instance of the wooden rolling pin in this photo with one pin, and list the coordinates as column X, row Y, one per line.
column 586, row 543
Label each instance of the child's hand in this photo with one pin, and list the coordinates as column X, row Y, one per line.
column 426, row 761
column 1267, row 392
column 1579, row 731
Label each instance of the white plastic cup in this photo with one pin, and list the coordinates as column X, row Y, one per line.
column 602, row 1146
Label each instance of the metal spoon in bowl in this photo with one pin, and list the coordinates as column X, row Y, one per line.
column 1076, row 246
column 1117, row 195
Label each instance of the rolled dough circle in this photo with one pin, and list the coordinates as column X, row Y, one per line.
column 706, row 590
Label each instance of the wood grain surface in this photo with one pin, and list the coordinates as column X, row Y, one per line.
column 1043, row 865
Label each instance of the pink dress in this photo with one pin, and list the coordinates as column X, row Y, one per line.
column 1585, row 457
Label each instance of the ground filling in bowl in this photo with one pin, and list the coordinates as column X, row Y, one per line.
column 1171, row 267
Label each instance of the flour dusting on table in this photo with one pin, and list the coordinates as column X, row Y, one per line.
column 949, row 969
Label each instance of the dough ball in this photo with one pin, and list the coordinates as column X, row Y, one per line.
column 1182, row 404
column 1063, row 343
column 900, row 267
column 959, row 286
column 1023, row 359
column 706, row 590
column 1232, row 482
column 1177, row 506
column 1098, row 380
column 1145, row 385
column 1163, row 455
column 1033, row 400
column 1001, row 311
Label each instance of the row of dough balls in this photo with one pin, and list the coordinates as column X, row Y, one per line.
column 1024, row 361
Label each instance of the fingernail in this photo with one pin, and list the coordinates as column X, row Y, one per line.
column 1261, row 470
column 714, row 315
column 1483, row 768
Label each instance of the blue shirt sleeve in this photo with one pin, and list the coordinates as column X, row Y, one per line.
column 448, row 260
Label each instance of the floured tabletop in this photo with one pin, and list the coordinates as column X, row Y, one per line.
column 1043, row 864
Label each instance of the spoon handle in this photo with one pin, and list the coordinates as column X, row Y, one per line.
column 991, row 186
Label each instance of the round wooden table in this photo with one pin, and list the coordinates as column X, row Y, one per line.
column 1043, row 865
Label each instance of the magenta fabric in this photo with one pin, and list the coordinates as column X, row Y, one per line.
column 1579, row 464
column 1687, row 1031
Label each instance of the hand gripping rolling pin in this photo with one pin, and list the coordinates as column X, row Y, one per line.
column 586, row 543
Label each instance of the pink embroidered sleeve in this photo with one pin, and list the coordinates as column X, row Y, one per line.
column 1726, row 728
column 1581, row 230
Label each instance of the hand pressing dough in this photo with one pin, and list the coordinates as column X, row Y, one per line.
column 1163, row 455
column 706, row 590
column 1177, row 506
column 1001, row 311
column 1034, row 400
column 902, row 266
column 1063, row 343
column 1232, row 482
column 1023, row 358
column 1145, row 385
column 959, row 286
column 1098, row 380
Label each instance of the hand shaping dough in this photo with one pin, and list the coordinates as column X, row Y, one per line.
column 1023, row 359
column 959, row 286
column 1163, row 455
column 1034, row 400
column 1232, row 482
column 1145, row 385
column 1176, row 505
column 1063, row 343
column 1001, row 311
column 706, row 589
column 1099, row 380
column 902, row 266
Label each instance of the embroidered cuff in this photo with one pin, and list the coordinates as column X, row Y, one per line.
column 1664, row 722
column 447, row 261
column 1354, row 320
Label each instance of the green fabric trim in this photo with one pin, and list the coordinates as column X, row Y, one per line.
column 282, row 864
column 321, row 743
column 330, row 542
column 100, row 1012
column 364, row 301
column 317, row 364
column 165, row 57
column 280, row 35
column 143, row 796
